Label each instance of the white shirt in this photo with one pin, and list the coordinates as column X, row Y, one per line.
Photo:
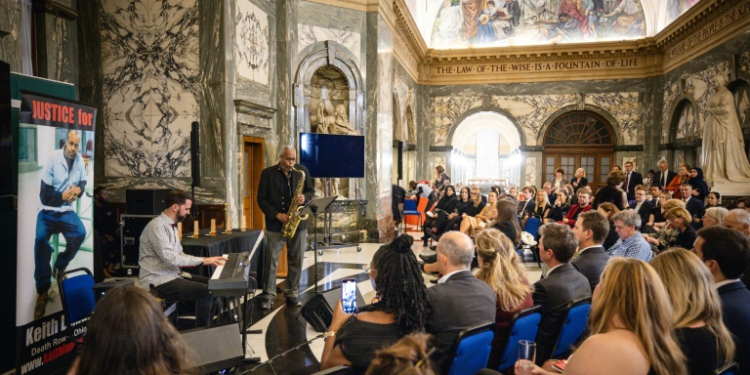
column 448, row 276
column 725, row 282
column 582, row 250
column 556, row 267
column 161, row 253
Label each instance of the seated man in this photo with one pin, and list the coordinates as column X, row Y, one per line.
column 161, row 257
column 642, row 206
column 459, row 301
column 562, row 286
column 591, row 230
column 693, row 205
column 631, row 243
column 527, row 204
column 584, row 205
column 727, row 254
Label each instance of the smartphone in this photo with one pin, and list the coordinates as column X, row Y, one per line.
column 349, row 295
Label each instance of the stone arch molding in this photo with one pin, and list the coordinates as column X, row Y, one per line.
column 675, row 107
column 483, row 108
column 617, row 133
column 316, row 56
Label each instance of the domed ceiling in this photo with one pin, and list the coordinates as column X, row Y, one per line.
column 458, row 24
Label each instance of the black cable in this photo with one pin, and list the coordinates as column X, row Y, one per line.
column 268, row 362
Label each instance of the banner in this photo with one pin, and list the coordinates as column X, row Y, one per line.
column 55, row 224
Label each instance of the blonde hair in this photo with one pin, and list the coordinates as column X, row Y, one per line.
column 582, row 170
column 478, row 197
column 408, row 356
column 609, row 208
column 502, row 269
column 632, row 296
column 717, row 213
column 672, row 203
column 694, row 299
column 546, row 199
column 679, row 212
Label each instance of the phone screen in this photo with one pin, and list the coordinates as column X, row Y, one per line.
column 349, row 295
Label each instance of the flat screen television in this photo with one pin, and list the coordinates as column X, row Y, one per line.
column 332, row 156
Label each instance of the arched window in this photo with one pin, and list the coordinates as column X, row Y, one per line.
column 579, row 139
column 684, row 134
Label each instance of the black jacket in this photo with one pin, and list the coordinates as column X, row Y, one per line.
column 562, row 286
column 635, row 180
column 658, row 179
column 735, row 305
column 275, row 194
column 644, row 211
column 591, row 264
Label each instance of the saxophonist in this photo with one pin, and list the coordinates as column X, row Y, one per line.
column 276, row 192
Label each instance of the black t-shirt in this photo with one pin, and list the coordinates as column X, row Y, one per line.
column 699, row 347
column 105, row 219
column 360, row 340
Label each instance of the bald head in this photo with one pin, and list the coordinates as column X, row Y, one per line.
column 739, row 220
column 457, row 249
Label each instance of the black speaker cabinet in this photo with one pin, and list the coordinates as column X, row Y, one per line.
column 131, row 238
column 318, row 311
column 145, row 201
column 215, row 348
column 195, row 153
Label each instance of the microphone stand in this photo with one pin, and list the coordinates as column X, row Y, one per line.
column 314, row 210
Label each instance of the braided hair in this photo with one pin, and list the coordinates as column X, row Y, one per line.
column 400, row 285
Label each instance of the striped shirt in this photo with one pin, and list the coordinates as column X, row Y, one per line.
column 634, row 246
column 161, row 253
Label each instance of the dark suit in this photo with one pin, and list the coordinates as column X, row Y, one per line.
column 694, row 206
column 735, row 304
column 634, row 180
column 644, row 211
column 659, row 181
column 591, row 264
column 461, row 302
column 562, row 286
column 275, row 194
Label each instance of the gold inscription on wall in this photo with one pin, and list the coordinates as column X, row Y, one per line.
column 740, row 12
column 561, row 66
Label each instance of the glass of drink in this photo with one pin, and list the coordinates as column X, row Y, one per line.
column 526, row 357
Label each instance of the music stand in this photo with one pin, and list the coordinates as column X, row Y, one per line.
column 314, row 207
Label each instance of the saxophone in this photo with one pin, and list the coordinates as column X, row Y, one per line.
column 288, row 230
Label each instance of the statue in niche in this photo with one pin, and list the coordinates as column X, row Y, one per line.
column 723, row 150
column 338, row 123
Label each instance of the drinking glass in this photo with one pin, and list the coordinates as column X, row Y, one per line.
column 526, row 357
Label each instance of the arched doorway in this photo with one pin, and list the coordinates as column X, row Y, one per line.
column 683, row 134
column 579, row 139
column 485, row 148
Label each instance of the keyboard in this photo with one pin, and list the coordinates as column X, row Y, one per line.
column 231, row 278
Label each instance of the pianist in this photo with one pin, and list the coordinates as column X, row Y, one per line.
column 161, row 257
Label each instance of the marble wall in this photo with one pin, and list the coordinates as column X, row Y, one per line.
column 251, row 42
column 10, row 44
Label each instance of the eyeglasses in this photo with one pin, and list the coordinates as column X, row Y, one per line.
column 289, row 159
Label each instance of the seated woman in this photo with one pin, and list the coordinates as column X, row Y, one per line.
column 704, row 339
column 129, row 334
column 631, row 325
column 609, row 209
column 681, row 178
column 506, row 221
column 541, row 208
column 656, row 220
column 559, row 208
column 400, row 309
column 410, row 355
column 445, row 206
column 444, row 222
column 612, row 192
column 714, row 216
column 471, row 225
column 682, row 233
column 501, row 268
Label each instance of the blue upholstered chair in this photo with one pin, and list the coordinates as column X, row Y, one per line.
column 410, row 209
column 728, row 369
column 472, row 349
column 573, row 327
column 77, row 294
column 524, row 326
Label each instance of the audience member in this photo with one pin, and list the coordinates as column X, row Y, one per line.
column 540, row 210
column 584, row 197
column 655, row 191
column 445, row 206
column 471, row 225
column 631, row 243
column 400, row 309
column 699, row 185
column 528, row 194
column 714, row 216
column 551, row 194
column 693, row 205
column 641, row 205
column 591, row 229
column 611, row 192
column 726, row 253
column 579, row 180
column 422, row 191
column 465, row 206
column 713, row 199
column 130, row 335
column 657, row 221
column 679, row 180
column 632, row 180
column 501, row 268
column 559, row 180
column 559, row 208
column 562, row 285
column 573, row 194
column 649, row 180
column 507, row 222
column 631, row 326
column 739, row 220
column 609, row 210
column 744, row 203
column 513, row 191
column 665, row 176
column 408, row 356
column 442, row 181
column 704, row 339
column 459, row 300
column 679, row 231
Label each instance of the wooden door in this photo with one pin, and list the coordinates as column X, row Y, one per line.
column 596, row 162
column 252, row 158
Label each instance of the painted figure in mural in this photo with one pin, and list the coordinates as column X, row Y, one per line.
column 575, row 10
column 675, row 8
column 336, row 124
column 485, row 31
column 567, row 28
column 513, row 9
column 451, row 18
column 723, row 156
column 471, row 11
column 628, row 19
column 590, row 10
column 530, row 10
column 501, row 21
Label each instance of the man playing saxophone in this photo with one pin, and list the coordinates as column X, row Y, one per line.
column 277, row 191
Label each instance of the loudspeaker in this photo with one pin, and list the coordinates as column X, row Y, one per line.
column 102, row 288
column 130, row 238
column 195, row 153
column 215, row 348
column 318, row 311
column 145, row 201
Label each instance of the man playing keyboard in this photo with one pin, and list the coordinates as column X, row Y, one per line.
column 161, row 258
